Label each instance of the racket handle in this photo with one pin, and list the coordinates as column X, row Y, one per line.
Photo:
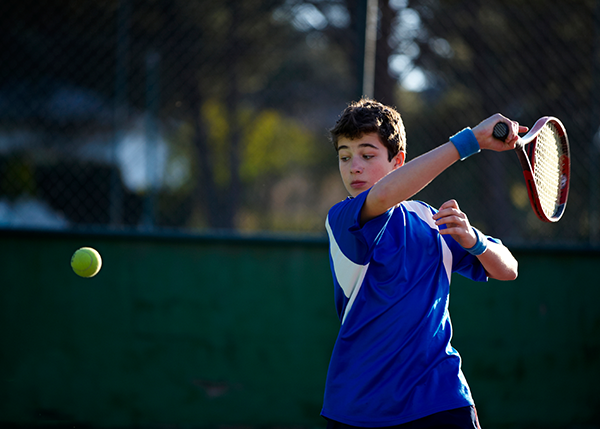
column 500, row 131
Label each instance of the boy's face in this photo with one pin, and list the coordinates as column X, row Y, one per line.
column 364, row 161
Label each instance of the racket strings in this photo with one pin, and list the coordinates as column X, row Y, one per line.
column 547, row 171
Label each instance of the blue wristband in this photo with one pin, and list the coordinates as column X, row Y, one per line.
column 480, row 246
column 466, row 143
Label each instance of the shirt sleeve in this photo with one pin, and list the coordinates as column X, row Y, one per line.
column 355, row 240
column 464, row 263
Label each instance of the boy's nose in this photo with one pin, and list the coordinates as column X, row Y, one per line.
column 356, row 167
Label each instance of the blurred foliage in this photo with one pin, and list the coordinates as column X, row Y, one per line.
column 526, row 60
column 196, row 114
column 275, row 145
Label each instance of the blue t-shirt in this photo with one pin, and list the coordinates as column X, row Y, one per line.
column 392, row 361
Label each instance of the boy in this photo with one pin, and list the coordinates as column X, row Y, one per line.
column 391, row 260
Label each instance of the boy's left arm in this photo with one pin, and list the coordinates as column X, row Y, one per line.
column 497, row 260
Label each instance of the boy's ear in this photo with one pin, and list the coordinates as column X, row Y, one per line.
column 398, row 160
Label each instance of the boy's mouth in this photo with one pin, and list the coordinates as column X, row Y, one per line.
column 357, row 183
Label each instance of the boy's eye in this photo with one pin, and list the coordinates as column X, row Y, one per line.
column 344, row 158
column 368, row 156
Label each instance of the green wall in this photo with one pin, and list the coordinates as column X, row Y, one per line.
column 213, row 331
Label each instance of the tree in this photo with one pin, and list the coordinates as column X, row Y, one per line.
column 172, row 59
column 523, row 59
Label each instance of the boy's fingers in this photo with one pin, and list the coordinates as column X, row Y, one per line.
column 448, row 204
column 449, row 207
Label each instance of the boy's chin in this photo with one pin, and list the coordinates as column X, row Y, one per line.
column 355, row 192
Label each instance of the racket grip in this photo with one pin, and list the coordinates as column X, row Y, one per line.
column 500, row 131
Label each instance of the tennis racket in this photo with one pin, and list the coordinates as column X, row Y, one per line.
column 545, row 158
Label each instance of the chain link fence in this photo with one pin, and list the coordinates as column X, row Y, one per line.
column 197, row 115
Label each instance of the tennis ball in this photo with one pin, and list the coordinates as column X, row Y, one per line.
column 86, row 262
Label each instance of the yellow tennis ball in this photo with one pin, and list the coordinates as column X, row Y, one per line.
column 86, row 262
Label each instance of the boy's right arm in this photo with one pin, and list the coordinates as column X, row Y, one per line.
column 405, row 181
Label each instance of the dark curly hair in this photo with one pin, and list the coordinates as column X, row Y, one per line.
column 369, row 116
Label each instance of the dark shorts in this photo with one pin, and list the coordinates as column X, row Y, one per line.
column 459, row 418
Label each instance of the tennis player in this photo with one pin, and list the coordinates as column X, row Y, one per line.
column 391, row 260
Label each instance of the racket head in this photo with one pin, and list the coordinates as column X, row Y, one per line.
column 545, row 157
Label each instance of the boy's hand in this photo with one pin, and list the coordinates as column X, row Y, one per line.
column 483, row 133
column 457, row 224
